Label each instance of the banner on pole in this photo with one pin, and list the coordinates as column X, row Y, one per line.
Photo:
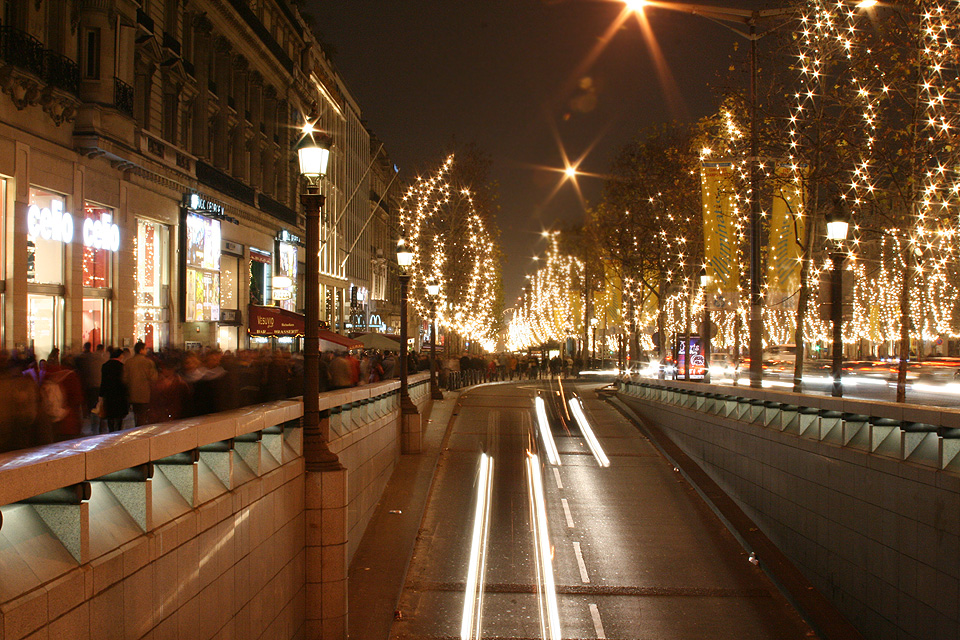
column 720, row 244
column 786, row 232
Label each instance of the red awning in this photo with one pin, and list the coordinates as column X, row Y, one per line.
column 274, row 321
column 338, row 342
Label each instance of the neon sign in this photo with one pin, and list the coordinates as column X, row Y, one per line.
column 50, row 224
column 102, row 233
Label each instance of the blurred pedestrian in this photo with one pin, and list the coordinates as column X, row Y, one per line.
column 88, row 367
column 113, row 391
column 61, row 397
column 139, row 373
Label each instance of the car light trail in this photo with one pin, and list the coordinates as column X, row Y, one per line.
column 473, row 597
column 548, row 444
column 588, row 435
column 549, row 611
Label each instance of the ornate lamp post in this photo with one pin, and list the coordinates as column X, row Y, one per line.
column 433, row 290
column 837, row 226
column 313, row 152
column 404, row 260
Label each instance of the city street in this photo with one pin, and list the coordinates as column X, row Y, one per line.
column 634, row 551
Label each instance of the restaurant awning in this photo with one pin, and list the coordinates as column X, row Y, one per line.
column 277, row 322
column 274, row 321
column 330, row 341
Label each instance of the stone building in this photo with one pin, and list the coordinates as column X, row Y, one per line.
column 148, row 180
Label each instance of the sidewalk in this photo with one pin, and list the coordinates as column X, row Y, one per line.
column 379, row 567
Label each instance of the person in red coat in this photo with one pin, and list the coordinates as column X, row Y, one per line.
column 66, row 403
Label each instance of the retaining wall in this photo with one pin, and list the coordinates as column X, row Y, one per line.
column 864, row 497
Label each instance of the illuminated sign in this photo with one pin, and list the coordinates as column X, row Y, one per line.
column 102, row 233
column 198, row 203
column 50, row 224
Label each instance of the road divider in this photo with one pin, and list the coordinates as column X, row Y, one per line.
column 473, row 596
column 577, row 408
column 543, row 552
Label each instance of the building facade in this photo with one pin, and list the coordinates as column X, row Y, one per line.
column 148, row 180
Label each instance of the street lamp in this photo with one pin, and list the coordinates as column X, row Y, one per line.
column 313, row 152
column 404, row 260
column 433, row 290
column 705, row 280
column 837, row 226
column 748, row 18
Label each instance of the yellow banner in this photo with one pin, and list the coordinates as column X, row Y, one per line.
column 786, row 230
column 720, row 233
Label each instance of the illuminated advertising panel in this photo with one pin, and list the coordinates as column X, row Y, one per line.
column 202, row 286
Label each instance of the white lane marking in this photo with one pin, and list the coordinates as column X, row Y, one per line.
column 583, row 566
column 556, row 474
column 597, row 622
column 566, row 512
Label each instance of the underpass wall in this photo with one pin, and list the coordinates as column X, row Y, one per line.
column 879, row 537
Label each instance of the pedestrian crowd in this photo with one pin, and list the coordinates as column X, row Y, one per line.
column 106, row 389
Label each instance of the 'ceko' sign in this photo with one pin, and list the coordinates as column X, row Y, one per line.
column 56, row 225
column 102, row 233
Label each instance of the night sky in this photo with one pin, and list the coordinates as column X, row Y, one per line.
column 514, row 76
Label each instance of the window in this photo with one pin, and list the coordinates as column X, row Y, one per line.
column 202, row 269
column 171, row 109
column 152, row 255
column 261, row 276
column 49, row 228
column 96, row 262
column 91, row 54
column 229, row 282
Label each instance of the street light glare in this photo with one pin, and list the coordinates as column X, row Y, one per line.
column 866, row 4
column 571, row 171
column 636, row 5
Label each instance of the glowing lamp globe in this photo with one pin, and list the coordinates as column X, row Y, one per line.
column 404, row 255
column 313, row 152
column 433, row 289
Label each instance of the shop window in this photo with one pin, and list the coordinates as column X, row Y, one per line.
column 202, row 269
column 44, row 323
column 229, row 282
column 49, row 229
column 92, row 321
column 285, row 280
column 261, row 277
column 152, row 249
column 96, row 262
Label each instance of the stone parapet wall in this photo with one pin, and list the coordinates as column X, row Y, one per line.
column 193, row 529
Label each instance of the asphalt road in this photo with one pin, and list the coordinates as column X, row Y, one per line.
column 635, row 552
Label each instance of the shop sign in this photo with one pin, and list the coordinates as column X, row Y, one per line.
column 50, row 224
column 102, row 233
column 286, row 236
column 198, row 203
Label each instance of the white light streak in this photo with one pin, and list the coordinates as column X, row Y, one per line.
column 588, row 434
column 549, row 611
column 545, row 434
column 473, row 597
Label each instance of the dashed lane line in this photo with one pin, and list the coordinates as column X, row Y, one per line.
column 597, row 622
column 556, row 475
column 580, row 563
column 566, row 512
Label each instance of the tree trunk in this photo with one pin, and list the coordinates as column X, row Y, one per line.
column 904, row 326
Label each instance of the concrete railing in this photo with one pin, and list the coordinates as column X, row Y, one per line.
column 153, row 524
column 928, row 436
column 862, row 496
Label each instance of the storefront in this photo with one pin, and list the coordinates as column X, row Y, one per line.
column 101, row 241
column 231, row 319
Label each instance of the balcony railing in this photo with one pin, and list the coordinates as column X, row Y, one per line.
column 61, row 72
column 21, row 50
column 123, row 97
